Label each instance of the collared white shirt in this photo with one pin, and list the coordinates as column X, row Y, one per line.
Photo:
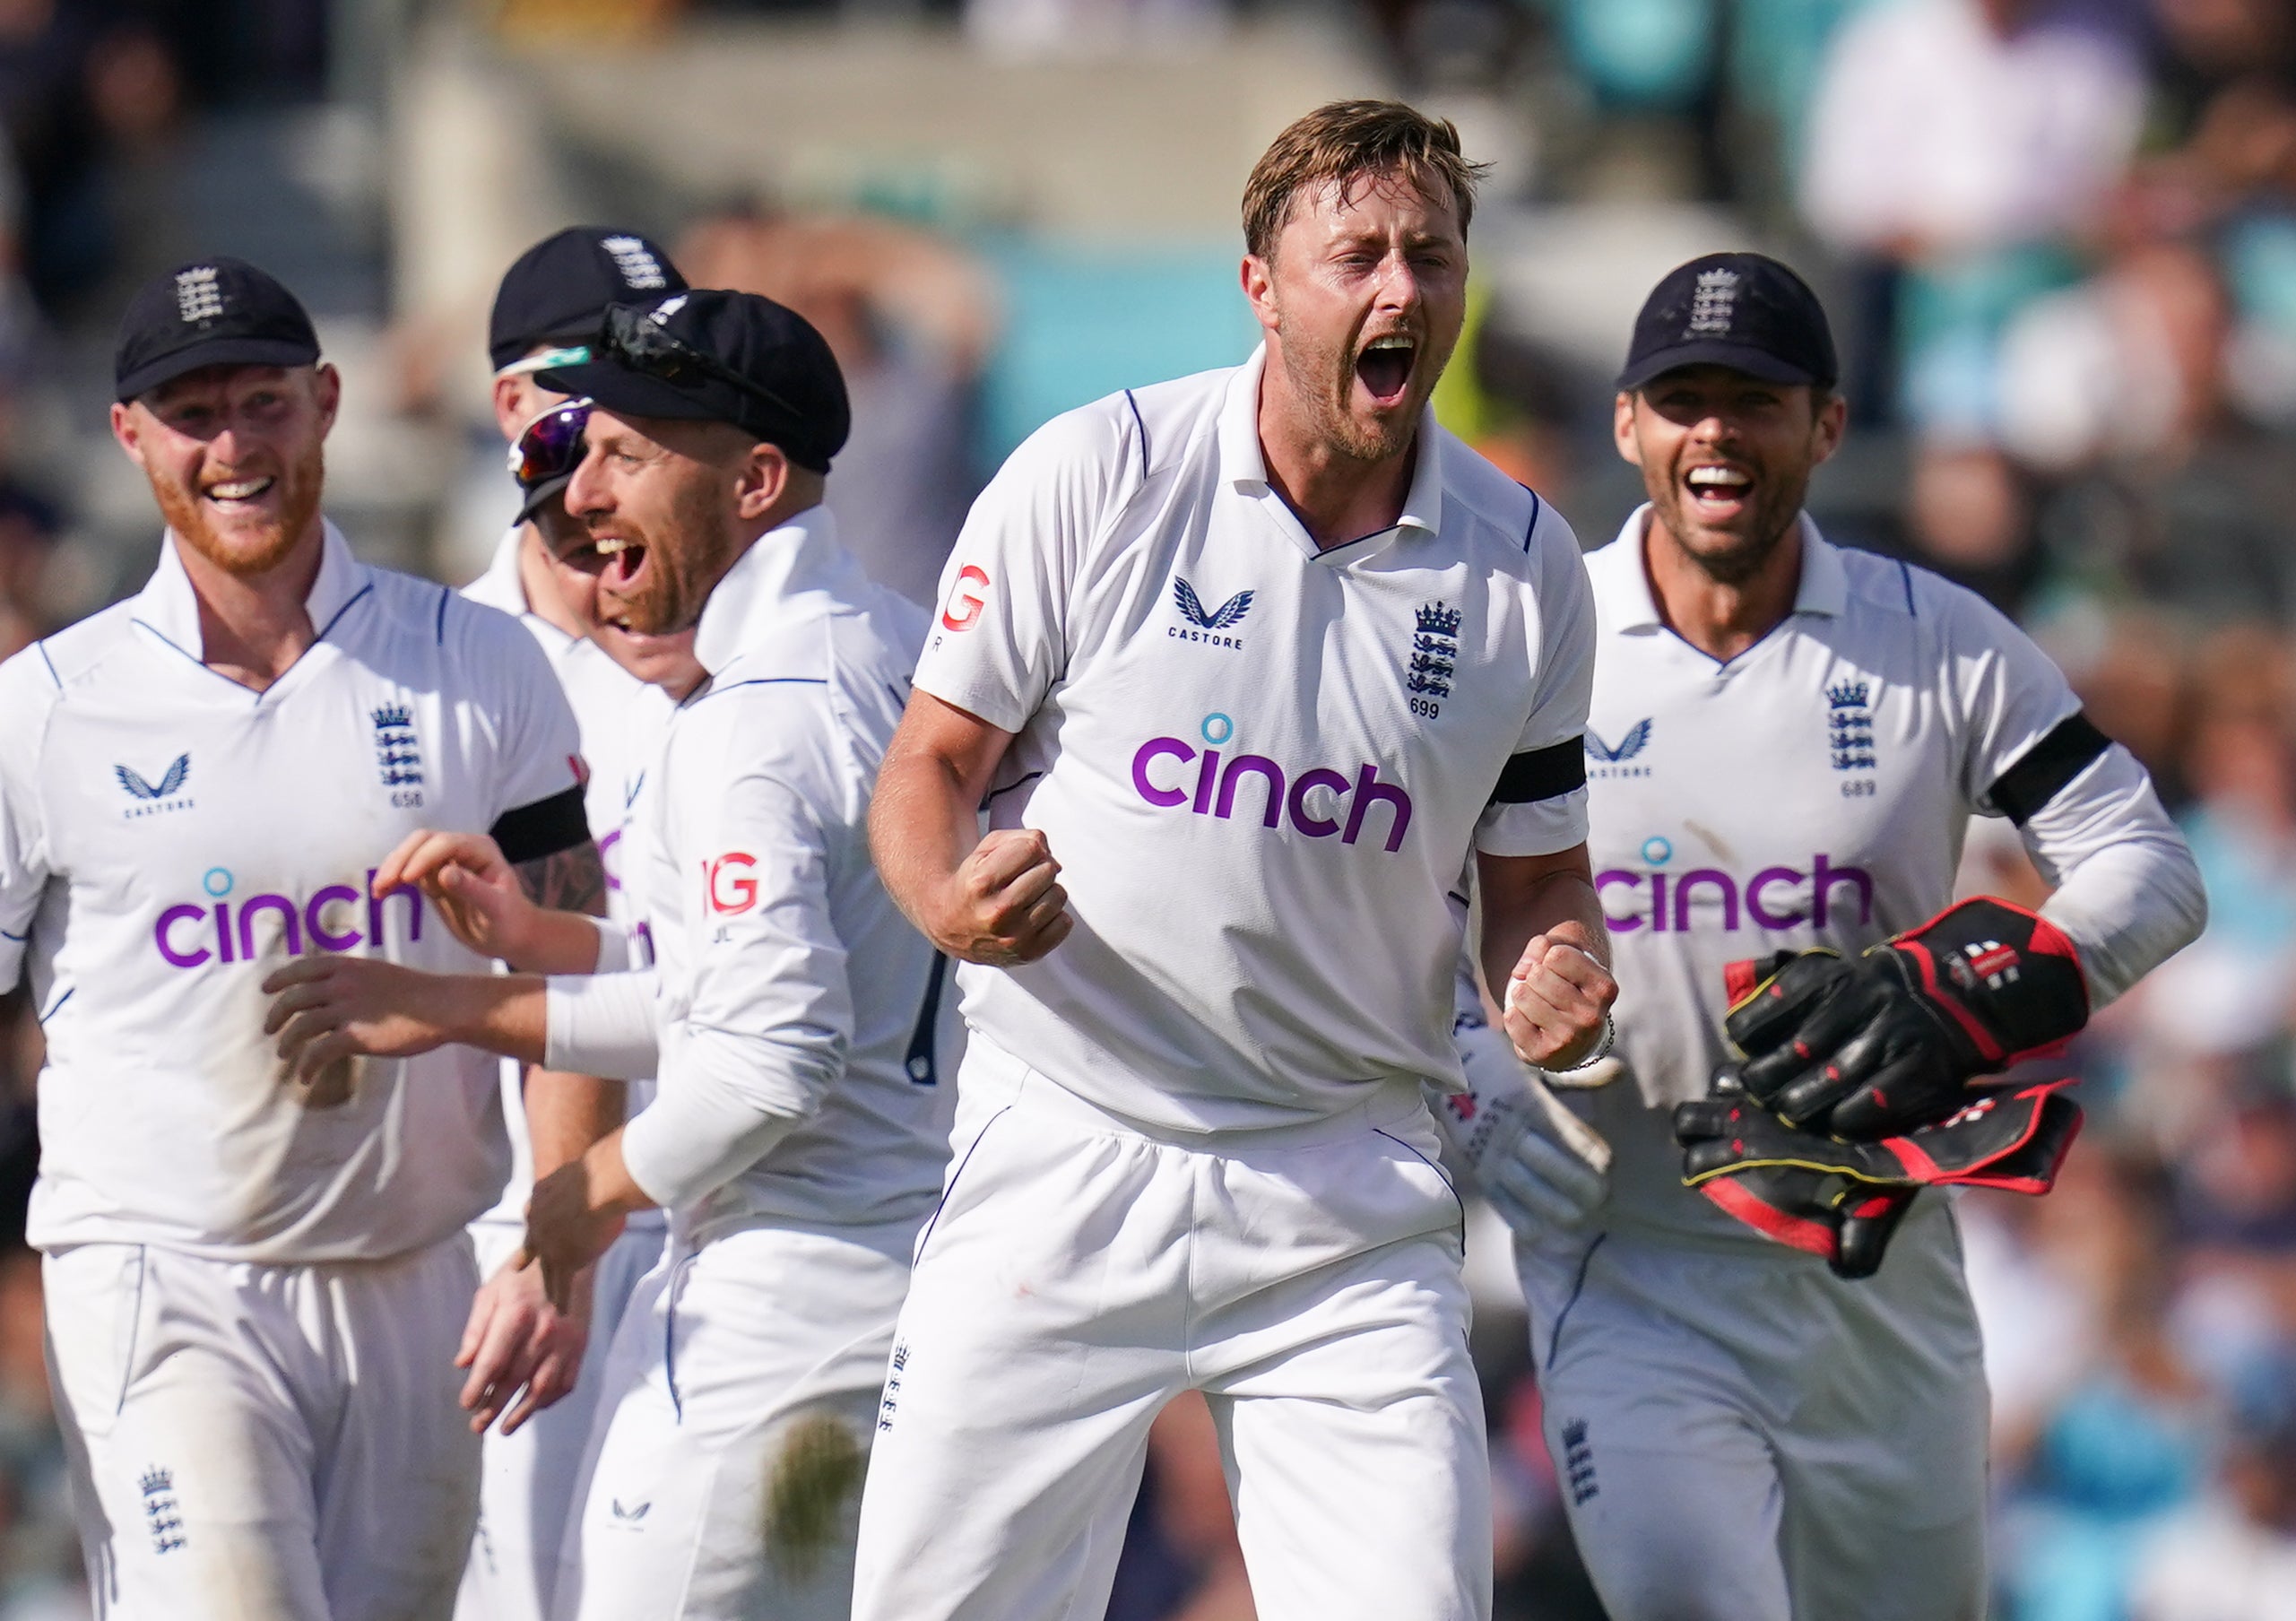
column 168, row 837
column 789, row 982
column 1815, row 791
column 622, row 722
column 1264, row 767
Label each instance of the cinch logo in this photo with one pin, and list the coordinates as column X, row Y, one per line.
column 964, row 609
column 188, row 936
column 1311, row 799
column 1776, row 897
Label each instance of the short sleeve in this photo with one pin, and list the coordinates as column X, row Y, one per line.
column 999, row 637
column 2024, row 738
column 535, row 808
column 27, row 696
column 1538, row 806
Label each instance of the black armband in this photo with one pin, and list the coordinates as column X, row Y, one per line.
column 544, row 828
column 1547, row 773
column 2042, row 772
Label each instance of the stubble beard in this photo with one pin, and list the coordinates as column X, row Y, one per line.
column 1745, row 557
column 666, row 600
column 252, row 552
column 1312, row 375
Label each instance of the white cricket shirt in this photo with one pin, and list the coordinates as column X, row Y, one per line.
column 1815, row 791
column 622, row 721
column 789, row 985
column 168, row 837
column 1264, row 768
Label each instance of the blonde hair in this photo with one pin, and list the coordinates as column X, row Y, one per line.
column 1343, row 142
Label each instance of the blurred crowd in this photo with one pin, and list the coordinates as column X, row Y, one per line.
column 2058, row 240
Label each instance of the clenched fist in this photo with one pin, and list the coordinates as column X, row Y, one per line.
column 1004, row 905
column 1557, row 997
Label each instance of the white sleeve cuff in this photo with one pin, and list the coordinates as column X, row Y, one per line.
column 601, row 1025
column 1542, row 827
column 694, row 1138
column 614, row 953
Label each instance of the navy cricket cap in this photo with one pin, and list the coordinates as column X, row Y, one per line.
column 1743, row 310
column 209, row 312
column 555, row 292
column 710, row 356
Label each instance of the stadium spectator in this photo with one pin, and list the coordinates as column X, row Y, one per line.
column 1955, row 141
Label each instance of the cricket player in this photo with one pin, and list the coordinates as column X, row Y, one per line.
column 539, row 1373
column 1251, row 670
column 1787, row 742
column 255, row 1280
column 796, row 1137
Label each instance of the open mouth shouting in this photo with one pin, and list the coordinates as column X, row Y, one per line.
column 625, row 560
column 1719, row 491
column 1385, row 365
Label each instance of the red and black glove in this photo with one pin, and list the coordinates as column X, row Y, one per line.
column 1843, row 1200
column 1889, row 1042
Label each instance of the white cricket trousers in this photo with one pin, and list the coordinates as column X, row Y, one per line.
column 1081, row 1274
column 733, row 1429
column 1742, row 1436
column 529, row 1481
column 265, row 1443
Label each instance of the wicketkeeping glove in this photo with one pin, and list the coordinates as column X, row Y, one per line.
column 1844, row 1199
column 1541, row 1166
column 1889, row 1042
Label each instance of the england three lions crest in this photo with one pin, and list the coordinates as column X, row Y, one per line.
column 398, row 754
column 1432, row 662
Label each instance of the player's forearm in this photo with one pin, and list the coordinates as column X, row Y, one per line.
column 2129, row 909
column 922, row 823
column 566, row 1112
column 725, row 1104
column 603, row 1024
column 558, row 942
column 1515, row 913
column 500, row 1013
column 693, row 1139
column 2129, row 895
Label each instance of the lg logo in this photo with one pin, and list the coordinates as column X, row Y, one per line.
column 725, row 881
column 965, row 604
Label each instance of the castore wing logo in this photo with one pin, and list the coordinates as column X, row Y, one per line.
column 1629, row 746
column 1192, row 607
column 171, row 781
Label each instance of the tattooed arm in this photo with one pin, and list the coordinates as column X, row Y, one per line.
column 571, row 880
column 535, row 916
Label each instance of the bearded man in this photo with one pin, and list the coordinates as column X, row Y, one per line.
column 256, row 1285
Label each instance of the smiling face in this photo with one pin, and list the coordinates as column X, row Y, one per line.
column 235, row 456
column 671, row 506
column 655, row 498
column 1726, row 460
column 1362, row 302
column 576, row 563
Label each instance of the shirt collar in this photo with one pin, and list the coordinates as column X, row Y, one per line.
column 502, row 585
column 168, row 606
column 799, row 555
column 1624, row 588
column 1245, row 463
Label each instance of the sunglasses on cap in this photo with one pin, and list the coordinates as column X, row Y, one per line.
column 544, row 360
column 634, row 339
column 552, row 446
